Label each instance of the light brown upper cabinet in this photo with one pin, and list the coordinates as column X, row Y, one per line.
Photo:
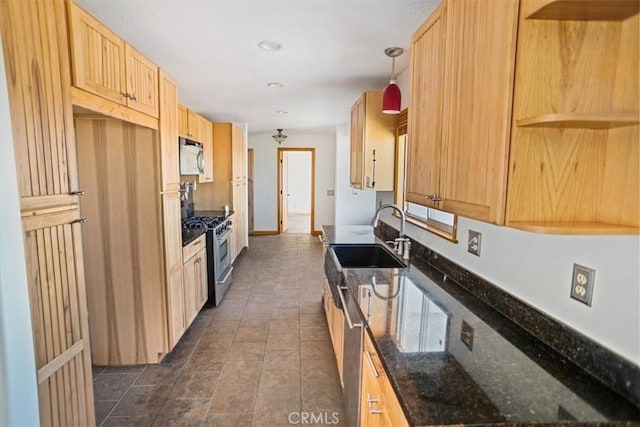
column 195, row 127
column 192, row 125
column 372, row 144
column 573, row 166
column 425, row 111
column 463, row 59
column 207, row 150
column 105, row 65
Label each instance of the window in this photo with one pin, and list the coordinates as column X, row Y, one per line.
column 442, row 223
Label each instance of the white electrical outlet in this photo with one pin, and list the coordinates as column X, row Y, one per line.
column 582, row 283
column 473, row 243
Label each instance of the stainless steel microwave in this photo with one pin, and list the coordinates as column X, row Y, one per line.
column 191, row 158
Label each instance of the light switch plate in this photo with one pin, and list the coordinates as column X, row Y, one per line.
column 473, row 243
column 582, row 283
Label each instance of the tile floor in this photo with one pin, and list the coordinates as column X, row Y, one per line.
column 259, row 359
column 299, row 223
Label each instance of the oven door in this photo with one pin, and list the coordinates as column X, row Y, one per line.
column 222, row 256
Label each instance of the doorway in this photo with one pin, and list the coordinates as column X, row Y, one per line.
column 296, row 195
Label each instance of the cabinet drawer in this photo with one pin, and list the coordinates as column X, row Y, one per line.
column 193, row 248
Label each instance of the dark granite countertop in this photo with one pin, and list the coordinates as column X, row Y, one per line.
column 191, row 234
column 454, row 360
column 355, row 234
column 496, row 374
column 212, row 213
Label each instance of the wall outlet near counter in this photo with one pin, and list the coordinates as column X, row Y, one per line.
column 582, row 283
column 473, row 243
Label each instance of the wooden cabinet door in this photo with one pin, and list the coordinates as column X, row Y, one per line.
column 425, row 111
column 173, row 266
column 34, row 38
column 477, row 103
column 193, row 131
column 238, row 150
column 191, row 282
column 98, row 57
column 207, row 151
column 168, row 133
column 357, row 144
column 142, row 82
column 175, row 306
column 183, row 121
column 202, row 290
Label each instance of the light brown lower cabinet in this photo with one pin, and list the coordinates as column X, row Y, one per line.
column 195, row 279
column 335, row 321
column 379, row 405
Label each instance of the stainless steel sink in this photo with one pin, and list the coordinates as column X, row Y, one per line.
column 366, row 256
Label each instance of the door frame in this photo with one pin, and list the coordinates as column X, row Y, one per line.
column 279, row 194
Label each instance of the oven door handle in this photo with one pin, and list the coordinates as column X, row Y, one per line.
column 226, row 276
column 224, row 236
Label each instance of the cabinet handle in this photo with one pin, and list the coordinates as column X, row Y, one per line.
column 370, row 402
column 376, row 373
column 80, row 221
column 126, row 95
column 76, row 193
column 433, row 197
column 133, row 97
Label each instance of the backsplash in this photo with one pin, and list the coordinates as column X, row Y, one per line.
column 609, row 368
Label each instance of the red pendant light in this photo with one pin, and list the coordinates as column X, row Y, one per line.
column 392, row 98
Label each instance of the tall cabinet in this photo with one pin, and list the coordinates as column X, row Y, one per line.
column 36, row 53
column 229, row 185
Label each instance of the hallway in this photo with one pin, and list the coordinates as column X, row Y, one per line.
column 259, row 359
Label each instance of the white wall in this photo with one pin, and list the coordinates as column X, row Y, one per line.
column 18, row 391
column 299, row 182
column 537, row 268
column 266, row 175
column 352, row 206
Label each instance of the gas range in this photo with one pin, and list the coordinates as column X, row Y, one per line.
column 219, row 224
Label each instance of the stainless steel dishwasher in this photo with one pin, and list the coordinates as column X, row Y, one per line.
column 352, row 357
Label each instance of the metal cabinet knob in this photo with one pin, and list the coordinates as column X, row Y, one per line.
column 76, row 193
column 80, row 221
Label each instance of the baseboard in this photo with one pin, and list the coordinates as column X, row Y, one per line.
column 263, row 233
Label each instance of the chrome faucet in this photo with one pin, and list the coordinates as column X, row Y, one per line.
column 402, row 244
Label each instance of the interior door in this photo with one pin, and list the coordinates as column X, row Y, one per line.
column 284, row 193
column 250, row 189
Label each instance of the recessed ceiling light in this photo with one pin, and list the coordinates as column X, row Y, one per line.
column 269, row 45
column 282, row 112
column 275, row 84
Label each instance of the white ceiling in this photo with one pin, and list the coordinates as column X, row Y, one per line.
column 333, row 51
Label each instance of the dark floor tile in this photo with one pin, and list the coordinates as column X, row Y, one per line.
column 277, row 410
column 242, row 371
column 133, row 369
column 103, row 408
column 140, row 421
column 205, row 361
column 288, row 341
column 316, row 350
column 158, row 375
column 283, row 326
column 281, row 360
column 251, row 334
column 234, row 397
column 112, row 386
column 142, row 401
column 285, row 313
column 96, row 370
column 314, row 319
column 228, row 420
column 280, row 383
column 182, row 412
column 246, row 351
column 195, row 385
column 314, row 333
